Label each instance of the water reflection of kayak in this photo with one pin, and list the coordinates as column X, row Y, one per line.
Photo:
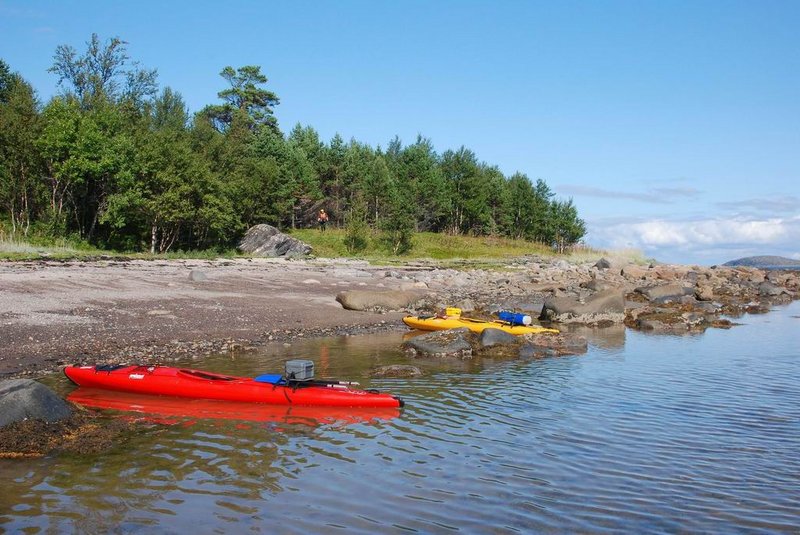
column 198, row 384
column 226, row 410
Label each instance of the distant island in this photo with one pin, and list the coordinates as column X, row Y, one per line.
column 765, row 262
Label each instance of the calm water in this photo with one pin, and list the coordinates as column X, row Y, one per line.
column 642, row 434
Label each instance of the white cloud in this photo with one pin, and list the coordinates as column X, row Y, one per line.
column 707, row 239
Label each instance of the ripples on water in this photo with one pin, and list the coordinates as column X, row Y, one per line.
column 642, row 434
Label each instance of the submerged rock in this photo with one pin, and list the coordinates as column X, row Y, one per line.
column 537, row 345
column 453, row 343
column 397, row 370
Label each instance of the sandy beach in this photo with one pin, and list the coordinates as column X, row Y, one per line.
column 53, row 313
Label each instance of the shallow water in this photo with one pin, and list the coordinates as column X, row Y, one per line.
column 644, row 433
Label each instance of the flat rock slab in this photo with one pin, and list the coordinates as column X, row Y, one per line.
column 666, row 291
column 22, row 399
column 377, row 299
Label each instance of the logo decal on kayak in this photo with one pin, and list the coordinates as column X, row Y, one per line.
column 136, row 376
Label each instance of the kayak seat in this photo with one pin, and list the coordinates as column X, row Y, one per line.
column 271, row 378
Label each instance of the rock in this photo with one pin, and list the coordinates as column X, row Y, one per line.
column 606, row 302
column 596, row 285
column 669, row 273
column 655, row 326
column 404, row 286
column 266, row 240
column 767, row 289
column 197, row 276
column 605, row 306
column 704, row 293
column 603, row 263
column 706, row 306
column 670, row 320
column 452, row 343
column 552, row 345
column 466, row 305
column 22, row 399
column 397, row 370
column 778, row 277
column 635, row 272
column 492, row 337
column 665, row 292
column 374, row 299
column 693, row 319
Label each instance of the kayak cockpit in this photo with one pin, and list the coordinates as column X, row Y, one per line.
column 206, row 376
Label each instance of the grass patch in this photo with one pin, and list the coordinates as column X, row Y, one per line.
column 22, row 250
column 17, row 250
column 426, row 245
column 487, row 252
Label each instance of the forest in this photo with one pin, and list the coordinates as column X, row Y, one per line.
column 118, row 162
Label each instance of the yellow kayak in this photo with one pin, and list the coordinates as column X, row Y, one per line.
column 436, row 323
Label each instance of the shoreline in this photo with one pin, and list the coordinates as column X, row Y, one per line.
column 58, row 313
column 55, row 313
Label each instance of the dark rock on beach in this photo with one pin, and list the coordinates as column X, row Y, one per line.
column 23, row 399
column 266, row 240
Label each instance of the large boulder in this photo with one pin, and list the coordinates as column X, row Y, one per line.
column 22, row 399
column 266, row 240
column 492, row 337
column 607, row 306
column 380, row 300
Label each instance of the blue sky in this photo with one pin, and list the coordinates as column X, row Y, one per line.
column 674, row 126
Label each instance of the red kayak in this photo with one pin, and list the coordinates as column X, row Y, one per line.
column 198, row 384
column 167, row 406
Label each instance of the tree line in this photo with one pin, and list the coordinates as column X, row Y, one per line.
column 118, row 162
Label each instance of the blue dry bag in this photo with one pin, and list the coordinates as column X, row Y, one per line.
column 514, row 319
